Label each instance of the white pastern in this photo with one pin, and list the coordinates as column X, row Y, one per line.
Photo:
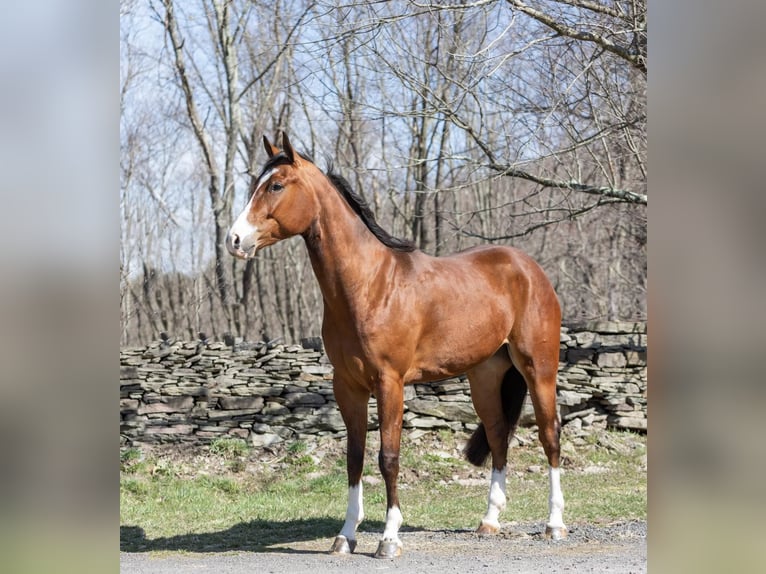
column 556, row 499
column 496, row 500
column 354, row 512
column 393, row 522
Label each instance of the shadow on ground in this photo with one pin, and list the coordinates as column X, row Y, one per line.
column 254, row 536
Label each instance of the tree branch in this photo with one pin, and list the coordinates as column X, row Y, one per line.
column 276, row 58
column 637, row 60
column 171, row 27
column 594, row 7
column 622, row 195
column 527, row 230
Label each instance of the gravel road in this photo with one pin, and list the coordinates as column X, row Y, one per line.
column 518, row 548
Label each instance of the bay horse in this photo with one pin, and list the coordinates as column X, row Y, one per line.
column 394, row 315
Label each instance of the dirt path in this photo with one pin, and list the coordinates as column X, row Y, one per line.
column 519, row 548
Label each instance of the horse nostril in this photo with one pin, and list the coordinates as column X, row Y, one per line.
column 235, row 240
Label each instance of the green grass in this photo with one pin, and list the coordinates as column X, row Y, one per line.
column 171, row 505
column 229, row 447
column 297, row 447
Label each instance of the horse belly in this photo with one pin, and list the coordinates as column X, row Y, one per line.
column 457, row 346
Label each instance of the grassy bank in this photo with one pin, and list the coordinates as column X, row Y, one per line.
column 229, row 497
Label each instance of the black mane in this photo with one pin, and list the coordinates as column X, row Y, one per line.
column 362, row 209
column 355, row 201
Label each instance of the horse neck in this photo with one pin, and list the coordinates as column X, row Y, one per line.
column 344, row 253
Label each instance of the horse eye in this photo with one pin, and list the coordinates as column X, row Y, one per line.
column 276, row 187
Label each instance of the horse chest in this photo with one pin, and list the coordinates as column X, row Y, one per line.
column 364, row 355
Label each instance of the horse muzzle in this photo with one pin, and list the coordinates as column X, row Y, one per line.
column 241, row 247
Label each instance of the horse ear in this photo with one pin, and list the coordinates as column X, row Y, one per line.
column 287, row 148
column 270, row 149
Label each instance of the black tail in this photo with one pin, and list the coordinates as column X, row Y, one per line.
column 512, row 393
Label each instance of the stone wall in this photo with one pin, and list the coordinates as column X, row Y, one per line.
column 266, row 393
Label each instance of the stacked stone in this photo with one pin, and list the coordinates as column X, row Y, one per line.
column 602, row 375
column 266, row 393
column 441, row 405
column 198, row 392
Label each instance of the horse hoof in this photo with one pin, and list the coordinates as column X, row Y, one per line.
column 556, row 532
column 343, row 545
column 388, row 549
column 487, row 528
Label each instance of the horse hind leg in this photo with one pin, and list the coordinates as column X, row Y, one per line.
column 497, row 391
column 539, row 370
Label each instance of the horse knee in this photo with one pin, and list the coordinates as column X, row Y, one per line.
column 388, row 461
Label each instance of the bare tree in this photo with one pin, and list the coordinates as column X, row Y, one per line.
column 534, row 96
column 520, row 122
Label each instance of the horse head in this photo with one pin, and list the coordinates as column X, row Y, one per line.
column 281, row 202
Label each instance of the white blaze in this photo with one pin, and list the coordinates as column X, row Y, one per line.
column 264, row 178
column 242, row 227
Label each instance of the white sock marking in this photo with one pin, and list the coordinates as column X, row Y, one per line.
column 354, row 512
column 393, row 522
column 555, row 500
column 496, row 500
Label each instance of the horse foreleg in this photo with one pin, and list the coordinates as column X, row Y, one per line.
column 390, row 397
column 345, row 542
column 353, row 409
